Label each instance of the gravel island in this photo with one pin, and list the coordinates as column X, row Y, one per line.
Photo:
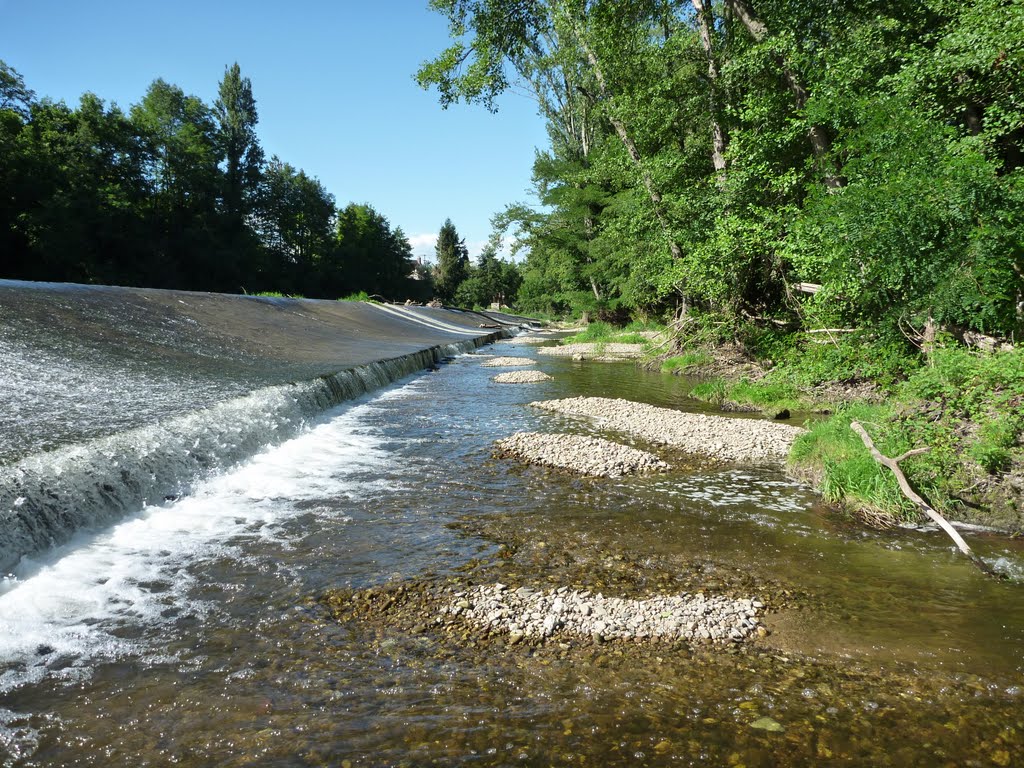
column 577, row 453
column 727, row 439
column 508, row 362
column 521, row 377
column 595, row 351
column 566, row 613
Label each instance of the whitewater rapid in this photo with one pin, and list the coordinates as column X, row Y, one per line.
column 111, row 594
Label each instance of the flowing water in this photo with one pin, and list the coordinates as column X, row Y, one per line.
column 188, row 631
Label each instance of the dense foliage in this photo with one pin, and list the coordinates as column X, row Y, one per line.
column 178, row 194
column 798, row 165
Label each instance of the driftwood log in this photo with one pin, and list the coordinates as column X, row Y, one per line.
column 894, row 465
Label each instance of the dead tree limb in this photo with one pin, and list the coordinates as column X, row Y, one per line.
column 894, row 465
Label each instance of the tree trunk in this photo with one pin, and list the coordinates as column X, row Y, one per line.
column 631, row 148
column 705, row 23
column 821, row 144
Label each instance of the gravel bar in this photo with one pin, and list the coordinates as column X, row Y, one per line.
column 727, row 439
column 521, row 377
column 525, row 340
column 595, row 351
column 579, row 453
column 508, row 362
column 563, row 612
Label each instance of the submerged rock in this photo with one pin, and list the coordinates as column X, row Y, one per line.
column 767, row 724
column 578, row 453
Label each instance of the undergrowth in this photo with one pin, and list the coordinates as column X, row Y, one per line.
column 358, row 296
column 687, row 362
column 966, row 407
column 278, row 295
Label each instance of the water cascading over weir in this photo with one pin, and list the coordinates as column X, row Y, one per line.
column 116, row 398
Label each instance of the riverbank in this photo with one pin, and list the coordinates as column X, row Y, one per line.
column 964, row 406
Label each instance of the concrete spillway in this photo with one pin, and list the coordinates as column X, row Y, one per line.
column 113, row 398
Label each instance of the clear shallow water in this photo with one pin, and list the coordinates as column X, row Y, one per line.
column 185, row 633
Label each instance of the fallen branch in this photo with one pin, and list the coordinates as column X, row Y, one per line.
column 894, row 465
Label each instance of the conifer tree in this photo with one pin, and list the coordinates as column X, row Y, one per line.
column 452, row 262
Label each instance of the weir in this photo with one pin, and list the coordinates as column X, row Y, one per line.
column 116, row 398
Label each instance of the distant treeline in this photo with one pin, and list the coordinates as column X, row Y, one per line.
column 177, row 193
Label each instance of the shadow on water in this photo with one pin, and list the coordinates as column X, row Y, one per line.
column 191, row 633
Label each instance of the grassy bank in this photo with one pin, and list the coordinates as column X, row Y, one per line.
column 964, row 405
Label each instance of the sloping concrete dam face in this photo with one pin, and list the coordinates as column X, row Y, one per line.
column 115, row 398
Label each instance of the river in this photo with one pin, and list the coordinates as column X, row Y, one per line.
column 192, row 631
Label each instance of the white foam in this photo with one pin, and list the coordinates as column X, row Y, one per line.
column 61, row 614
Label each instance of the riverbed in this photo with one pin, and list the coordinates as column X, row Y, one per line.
column 200, row 631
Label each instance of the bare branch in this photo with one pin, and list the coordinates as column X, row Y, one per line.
column 893, row 465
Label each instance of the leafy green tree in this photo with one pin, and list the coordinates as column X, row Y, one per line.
column 89, row 189
column 14, row 95
column 296, row 224
column 490, row 281
column 179, row 136
column 452, row 262
column 370, row 256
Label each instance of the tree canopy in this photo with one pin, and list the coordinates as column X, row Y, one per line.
column 793, row 164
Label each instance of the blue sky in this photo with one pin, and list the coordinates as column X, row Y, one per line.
column 333, row 85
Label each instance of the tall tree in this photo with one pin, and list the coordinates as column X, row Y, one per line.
column 18, row 176
column 235, row 109
column 452, row 261
column 179, row 134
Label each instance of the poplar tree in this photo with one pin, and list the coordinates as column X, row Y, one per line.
column 235, row 109
column 242, row 156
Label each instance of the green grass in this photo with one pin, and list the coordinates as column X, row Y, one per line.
column 600, row 332
column 711, row 391
column 596, row 331
column 767, row 396
column 279, row 295
column 645, row 325
column 358, row 296
column 686, row 362
column 834, row 456
column 966, row 408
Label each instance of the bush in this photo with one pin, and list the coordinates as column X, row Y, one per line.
column 596, row 331
column 358, row 296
